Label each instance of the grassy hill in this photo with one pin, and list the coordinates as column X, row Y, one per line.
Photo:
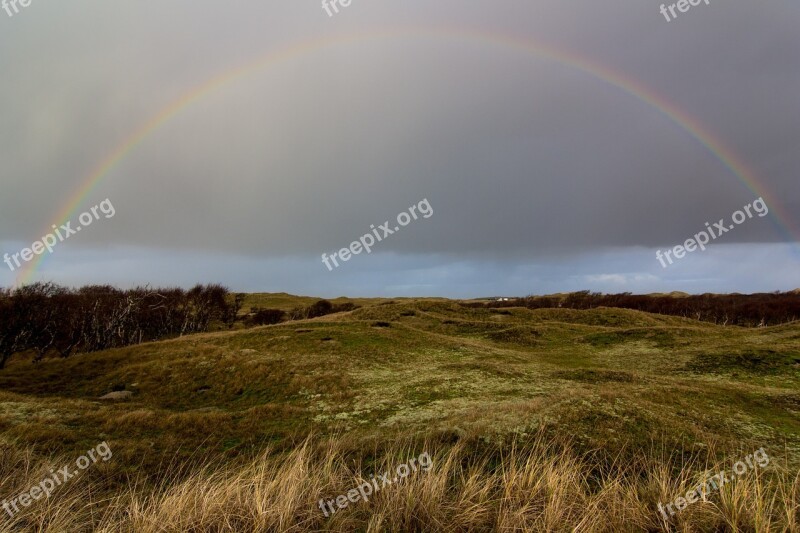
column 611, row 386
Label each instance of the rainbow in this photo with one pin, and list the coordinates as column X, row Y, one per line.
column 616, row 79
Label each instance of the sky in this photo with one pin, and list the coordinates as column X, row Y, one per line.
column 559, row 146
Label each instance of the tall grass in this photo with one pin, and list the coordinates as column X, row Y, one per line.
column 539, row 486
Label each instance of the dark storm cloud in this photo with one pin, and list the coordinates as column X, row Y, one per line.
column 520, row 156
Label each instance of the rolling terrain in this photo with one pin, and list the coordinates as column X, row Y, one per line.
column 623, row 392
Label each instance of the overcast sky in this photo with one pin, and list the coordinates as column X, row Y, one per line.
column 542, row 177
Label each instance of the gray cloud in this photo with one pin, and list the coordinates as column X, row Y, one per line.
column 525, row 159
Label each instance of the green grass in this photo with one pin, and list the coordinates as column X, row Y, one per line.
column 287, row 302
column 609, row 378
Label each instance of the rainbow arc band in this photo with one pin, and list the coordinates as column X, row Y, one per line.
column 568, row 58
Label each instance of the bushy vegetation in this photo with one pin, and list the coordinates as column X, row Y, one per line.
column 320, row 308
column 265, row 317
column 46, row 318
column 749, row 310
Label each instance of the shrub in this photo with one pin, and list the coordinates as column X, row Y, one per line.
column 265, row 317
column 320, row 308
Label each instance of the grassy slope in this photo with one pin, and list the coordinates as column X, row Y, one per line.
column 287, row 302
column 607, row 378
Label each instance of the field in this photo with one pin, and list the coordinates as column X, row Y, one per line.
column 548, row 419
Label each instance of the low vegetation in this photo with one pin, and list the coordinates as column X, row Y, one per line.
column 46, row 319
column 537, row 419
column 750, row 310
column 536, row 486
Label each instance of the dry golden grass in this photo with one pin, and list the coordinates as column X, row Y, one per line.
column 538, row 486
